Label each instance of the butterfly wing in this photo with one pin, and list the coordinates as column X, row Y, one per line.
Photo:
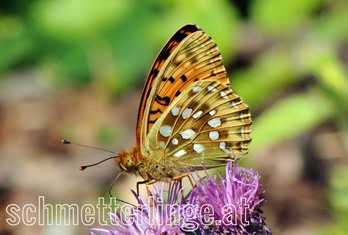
column 203, row 127
column 189, row 56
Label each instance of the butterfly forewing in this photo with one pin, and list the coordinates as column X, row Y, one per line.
column 157, row 66
column 189, row 56
column 203, row 127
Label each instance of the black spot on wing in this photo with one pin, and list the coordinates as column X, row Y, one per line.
column 152, row 121
column 184, row 31
column 163, row 101
column 171, row 79
column 176, row 39
column 183, row 78
column 154, row 73
column 165, row 53
column 155, row 111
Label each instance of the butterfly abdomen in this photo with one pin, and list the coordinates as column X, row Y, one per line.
column 159, row 170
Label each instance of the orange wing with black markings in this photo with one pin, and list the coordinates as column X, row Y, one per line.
column 190, row 55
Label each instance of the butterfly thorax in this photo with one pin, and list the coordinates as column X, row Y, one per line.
column 148, row 168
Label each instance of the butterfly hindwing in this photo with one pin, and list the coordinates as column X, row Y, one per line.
column 203, row 127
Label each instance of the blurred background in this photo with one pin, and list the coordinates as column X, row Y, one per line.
column 75, row 69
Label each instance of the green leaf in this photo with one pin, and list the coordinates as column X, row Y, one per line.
column 282, row 16
column 289, row 118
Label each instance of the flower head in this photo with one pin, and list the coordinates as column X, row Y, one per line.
column 161, row 214
column 232, row 205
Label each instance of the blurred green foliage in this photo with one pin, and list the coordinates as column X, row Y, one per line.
column 282, row 17
column 295, row 81
column 338, row 201
column 109, row 42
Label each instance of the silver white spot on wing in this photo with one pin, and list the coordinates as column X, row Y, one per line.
column 222, row 146
column 196, row 89
column 197, row 114
column 198, row 148
column 188, row 134
column 175, row 111
column 162, row 144
column 212, row 112
column 211, row 88
column 215, row 122
column 165, row 131
column 180, row 153
column 244, row 132
column 223, row 95
column 242, row 115
column 234, row 104
column 175, row 141
column 186, row 113
column 214, row 135
column 244, row 147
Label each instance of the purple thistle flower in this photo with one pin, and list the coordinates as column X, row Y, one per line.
column 163, row 213
column 233, row 205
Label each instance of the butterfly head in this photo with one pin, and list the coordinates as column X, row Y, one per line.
column 126, row 160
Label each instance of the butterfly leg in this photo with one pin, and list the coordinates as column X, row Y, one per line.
column 182, row 176
column 147, row 183
column 235, row 159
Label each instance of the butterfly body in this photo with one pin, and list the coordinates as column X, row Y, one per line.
column 151, row 168
column 189, row 117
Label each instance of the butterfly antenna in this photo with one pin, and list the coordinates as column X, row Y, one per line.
column 91, row 147
column 87, row 146
column 65, row 141
column 97, row 163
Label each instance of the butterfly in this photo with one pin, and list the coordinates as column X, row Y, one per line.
column 189, row 118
